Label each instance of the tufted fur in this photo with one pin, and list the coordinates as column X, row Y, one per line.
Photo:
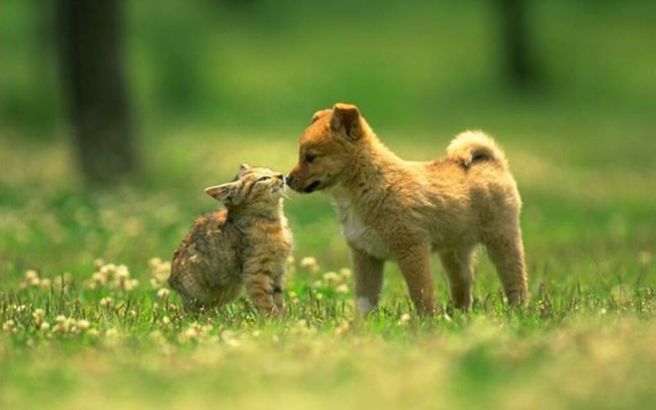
column 245, row 244
column 393, row 209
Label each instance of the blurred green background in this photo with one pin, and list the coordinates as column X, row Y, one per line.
column 211, row 84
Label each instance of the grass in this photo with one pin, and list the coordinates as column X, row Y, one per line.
column 586, row 339
column 581, row 150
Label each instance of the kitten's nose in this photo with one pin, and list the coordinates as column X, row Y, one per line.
column 288, row 180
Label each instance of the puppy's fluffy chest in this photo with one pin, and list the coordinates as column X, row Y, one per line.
column 355, row 229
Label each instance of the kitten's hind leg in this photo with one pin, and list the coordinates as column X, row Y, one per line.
column 259, row 286
column 278, row 290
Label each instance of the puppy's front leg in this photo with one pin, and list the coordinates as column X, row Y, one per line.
column 414, row 263
column 368, row 279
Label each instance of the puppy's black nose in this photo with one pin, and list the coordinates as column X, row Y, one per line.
column 288, row 180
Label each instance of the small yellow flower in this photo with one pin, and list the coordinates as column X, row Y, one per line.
column 405, row 318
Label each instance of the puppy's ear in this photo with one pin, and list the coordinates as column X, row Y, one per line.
column 320, row 114
column 225, row 193
column 346, row 119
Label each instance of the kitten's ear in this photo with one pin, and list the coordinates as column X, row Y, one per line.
column 244, row 168
column 320, row 114
column 346, row 118
column 224, row 193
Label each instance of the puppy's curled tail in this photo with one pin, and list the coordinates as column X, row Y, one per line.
column 471, row 147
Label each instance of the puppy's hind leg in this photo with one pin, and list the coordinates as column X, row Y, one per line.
column 458, row 267
column 506, row 251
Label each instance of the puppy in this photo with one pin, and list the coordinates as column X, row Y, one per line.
column 393, row 209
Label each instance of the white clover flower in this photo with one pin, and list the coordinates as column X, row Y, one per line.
column 129, row 285
column 122, row 271
column 31, row 275
column 342, row 329
column 163, row 293
column 64, row 324
column 310, row 264
column 159, row 272
column 343, row 288
column 83, row 324
column 106, row 301
column 331, row 278
column 112, row 333
column 166, row 320
column 229, row 338
column 44, row 326
column 154, row 262
column 9, row 326
column 157, row 337
column 99, row 277
column 46, row 283
column 191, row 333
column 405, row 318
column 302, row 327
column 38, row 315
column 346, row 273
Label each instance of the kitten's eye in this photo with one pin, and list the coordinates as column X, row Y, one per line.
column 264, row 178
column 310, row 158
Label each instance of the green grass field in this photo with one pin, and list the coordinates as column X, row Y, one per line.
column 87, row 323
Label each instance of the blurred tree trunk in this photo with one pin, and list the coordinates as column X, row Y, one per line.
column 91, row 63
column 518, row 59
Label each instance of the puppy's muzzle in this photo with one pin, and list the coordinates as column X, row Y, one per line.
column 312, row 187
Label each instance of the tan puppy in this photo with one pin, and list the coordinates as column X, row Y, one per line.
column 403, row 210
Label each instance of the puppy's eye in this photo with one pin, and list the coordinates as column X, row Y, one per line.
column 310, row 158
column 264, row 178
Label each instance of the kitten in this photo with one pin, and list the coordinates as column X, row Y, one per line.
column 245, row 245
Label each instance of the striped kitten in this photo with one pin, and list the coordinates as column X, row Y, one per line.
column 244, row 245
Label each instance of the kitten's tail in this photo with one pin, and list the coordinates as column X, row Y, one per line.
column 470, row 147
